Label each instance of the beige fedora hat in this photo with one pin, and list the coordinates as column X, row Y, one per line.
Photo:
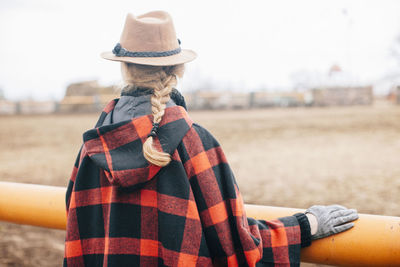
column 150, row 39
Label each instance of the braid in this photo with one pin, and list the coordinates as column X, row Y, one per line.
column 158, row 104
column 161, row 80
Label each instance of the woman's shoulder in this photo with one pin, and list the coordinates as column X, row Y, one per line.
column 206, row 137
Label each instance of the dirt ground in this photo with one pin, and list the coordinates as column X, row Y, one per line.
column 283, row 157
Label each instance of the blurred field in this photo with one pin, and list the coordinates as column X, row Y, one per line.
column 283, row 157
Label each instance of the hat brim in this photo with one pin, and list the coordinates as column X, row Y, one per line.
column 184, row 56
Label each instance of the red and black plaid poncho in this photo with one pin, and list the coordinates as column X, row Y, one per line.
column 121, row 211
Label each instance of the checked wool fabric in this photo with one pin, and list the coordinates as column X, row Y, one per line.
column 121, row 211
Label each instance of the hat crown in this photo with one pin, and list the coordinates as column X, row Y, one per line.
column 149, row 39
column 150, row 32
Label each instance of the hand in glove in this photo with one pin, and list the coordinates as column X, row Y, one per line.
column 330, row 220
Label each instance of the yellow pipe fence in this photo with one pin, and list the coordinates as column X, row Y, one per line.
column 374, row 241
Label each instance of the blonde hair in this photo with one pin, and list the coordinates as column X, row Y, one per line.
column 161, row 79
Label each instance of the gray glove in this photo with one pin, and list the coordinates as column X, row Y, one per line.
column 332, row 219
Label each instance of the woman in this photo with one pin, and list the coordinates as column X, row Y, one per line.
column 152, row 188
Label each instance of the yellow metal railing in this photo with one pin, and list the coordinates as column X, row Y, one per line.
column 374, row 241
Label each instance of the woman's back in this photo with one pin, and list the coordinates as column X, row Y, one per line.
column 189, row 213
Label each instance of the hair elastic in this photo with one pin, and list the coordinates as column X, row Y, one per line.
column 154, row 130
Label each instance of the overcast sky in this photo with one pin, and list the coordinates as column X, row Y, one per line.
column 47, row 44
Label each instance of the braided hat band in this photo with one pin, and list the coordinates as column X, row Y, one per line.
column 119, row 51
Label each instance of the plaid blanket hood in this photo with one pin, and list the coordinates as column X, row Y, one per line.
column 121, row 211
